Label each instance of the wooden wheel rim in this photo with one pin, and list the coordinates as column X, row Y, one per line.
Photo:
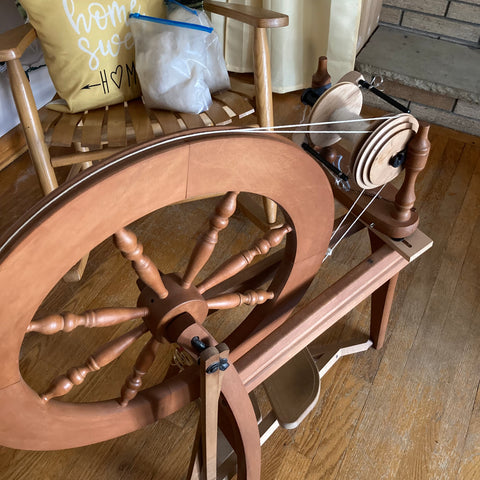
column 106, row 199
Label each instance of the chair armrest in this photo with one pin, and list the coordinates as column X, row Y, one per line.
column 257, row 17
column 14, row 42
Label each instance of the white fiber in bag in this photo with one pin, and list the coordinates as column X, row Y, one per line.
column 216, row 74
column 171, row 63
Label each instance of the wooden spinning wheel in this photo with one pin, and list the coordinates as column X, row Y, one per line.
column 39, row 249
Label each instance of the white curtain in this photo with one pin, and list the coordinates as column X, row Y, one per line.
column 316, row 27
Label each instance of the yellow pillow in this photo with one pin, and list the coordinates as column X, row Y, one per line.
column 88, row 48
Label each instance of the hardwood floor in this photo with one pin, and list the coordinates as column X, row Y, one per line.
column 408, row 411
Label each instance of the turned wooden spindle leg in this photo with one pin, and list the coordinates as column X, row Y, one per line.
column 381, row 302
column 417, row 155
column 206, row 243
column 126, row 241
column 264, row 99
column 32, row 127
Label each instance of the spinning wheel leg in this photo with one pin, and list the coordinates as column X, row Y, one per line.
column 382, row 300
column 205, row 449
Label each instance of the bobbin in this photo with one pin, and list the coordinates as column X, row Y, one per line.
column 370, row 144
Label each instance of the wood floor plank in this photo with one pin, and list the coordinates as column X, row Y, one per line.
column 397, row 392
column 470, row 462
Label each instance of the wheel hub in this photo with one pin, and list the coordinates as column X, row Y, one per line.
column 179, row 300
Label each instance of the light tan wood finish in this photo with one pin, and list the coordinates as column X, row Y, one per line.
column 64, row 131
column 116, row 130
column 257, row 17
column 25, row 103
column 343, row 99
column 14, row 42
column 261, row 58
column 394, row 400
column 138, row 123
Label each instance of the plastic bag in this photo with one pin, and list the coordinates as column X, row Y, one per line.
column 216, row 74
column 171, row 63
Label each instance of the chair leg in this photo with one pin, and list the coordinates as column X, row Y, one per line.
column 264, row 101
column 27, row 111
column 270, row 210
column 381, row 304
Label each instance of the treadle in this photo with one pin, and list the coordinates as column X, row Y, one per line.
column 293, row 390
column 327, row 355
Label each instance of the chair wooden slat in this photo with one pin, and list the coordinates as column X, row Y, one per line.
column 116, row 126
column 192, row 120
column 64, row 129
column 141, row 122
column 235, row 102
column 47, row 118
column 246, row 89
column 217, row 114
column 92, row 129
column 168, row 121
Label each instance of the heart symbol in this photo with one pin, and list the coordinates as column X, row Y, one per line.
column 117, row 75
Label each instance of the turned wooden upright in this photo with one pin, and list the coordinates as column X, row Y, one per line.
column 417, row 156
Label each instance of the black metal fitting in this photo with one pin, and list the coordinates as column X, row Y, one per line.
column 198, row 344
column 222, row 365
column 398, row 159
column 317, row 156
column 383, row 96
column 311, row 95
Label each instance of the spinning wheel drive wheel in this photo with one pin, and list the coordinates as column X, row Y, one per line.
column 38, row 251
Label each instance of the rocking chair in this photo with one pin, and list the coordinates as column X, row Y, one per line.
column 96, row 134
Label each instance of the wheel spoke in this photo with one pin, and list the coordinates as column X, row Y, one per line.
column 232, row 300
column 249, row 278
column 206, row 243
column 101, row 317
column 238, row 262
column 102, row 357
column 126, row 241
column 142, row 365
